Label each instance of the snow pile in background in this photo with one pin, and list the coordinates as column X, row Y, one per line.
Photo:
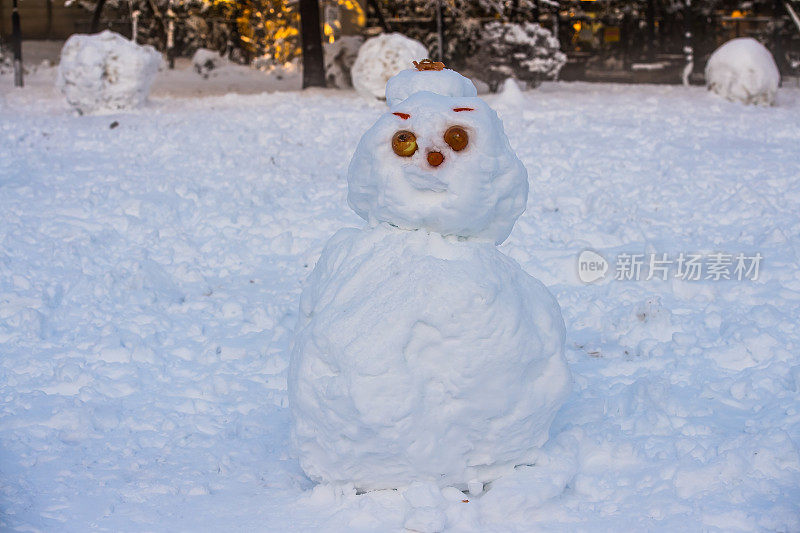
column 150, row 273
column 743, row 70
column 510, row 95
column 106, row 72
column 485, row 179
column 205, row 60
column 445, row 82
column 380, row 58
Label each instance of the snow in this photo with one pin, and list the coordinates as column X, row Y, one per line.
column 380, row 58
column 510, row 94
column 445, row 82
column 143, row 376
column 205, row 60
column 476, row 192
column 106, row 72
column 421, row 358
column 743, row 70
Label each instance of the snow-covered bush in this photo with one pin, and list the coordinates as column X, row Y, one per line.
column 205, row 60
column 106, row 72
column 380, row 58
column 340, row 56
column 743, row 70
column 525, row 51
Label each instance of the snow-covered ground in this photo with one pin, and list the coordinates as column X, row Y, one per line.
column 151, row 263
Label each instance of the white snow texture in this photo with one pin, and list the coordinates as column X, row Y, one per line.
column 380, row 58
column 106, row 72
column 149, row 292
column 477, row 192
column 424, row 354
column 445, row 82
column 743, row 70
column 419, row 357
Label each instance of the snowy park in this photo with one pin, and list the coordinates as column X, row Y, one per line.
column 152, row 262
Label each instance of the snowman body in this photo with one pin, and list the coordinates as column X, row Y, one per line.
column 422, row 353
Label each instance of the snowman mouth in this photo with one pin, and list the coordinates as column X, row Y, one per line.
column 424, row 181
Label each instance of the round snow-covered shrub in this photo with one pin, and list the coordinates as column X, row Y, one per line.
column 380, row 58
column 743, row 70
column 106, row 72
column 525, row 51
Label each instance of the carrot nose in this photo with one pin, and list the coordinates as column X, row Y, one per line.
column 435, row 159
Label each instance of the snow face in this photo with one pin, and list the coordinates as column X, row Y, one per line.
column 476, row 192
column 380, row 58
column 422, row 358
column 106, row 72
column 743, row 70
column 445, row 82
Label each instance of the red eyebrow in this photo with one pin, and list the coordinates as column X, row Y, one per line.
column 404, row 116
column 457, row 109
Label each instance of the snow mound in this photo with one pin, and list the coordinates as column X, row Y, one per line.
column 205, row 60
column 106, row 72
column 510, row 94
column 422, row 358
column 445, row 82
column 743, row 70
column 380, row 58
column 477, row 192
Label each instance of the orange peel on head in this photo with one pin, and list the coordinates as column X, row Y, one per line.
column 427, row 64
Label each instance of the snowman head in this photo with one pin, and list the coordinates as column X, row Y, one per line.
column 441, row 163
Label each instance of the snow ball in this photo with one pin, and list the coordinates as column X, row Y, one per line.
column 205, row 60
column 475, row 487
column 380, row 58
column 445, row 82
column 106, row 72
column 743, row 70
column 476, row 192
column 422, row 358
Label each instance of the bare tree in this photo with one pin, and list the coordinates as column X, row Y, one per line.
column 311, row 30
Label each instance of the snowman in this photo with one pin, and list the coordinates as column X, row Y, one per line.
column 422, row 353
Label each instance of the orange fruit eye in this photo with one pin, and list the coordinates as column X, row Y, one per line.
column 404, row 143
column 456, row 137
